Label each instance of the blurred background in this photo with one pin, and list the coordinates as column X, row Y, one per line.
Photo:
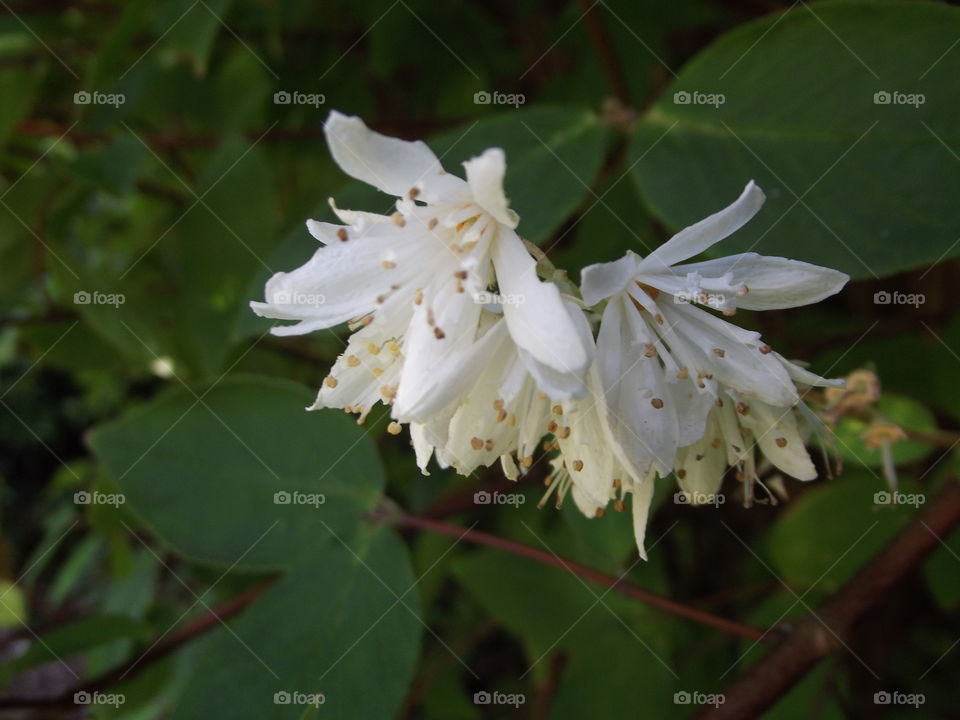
column 178, row 538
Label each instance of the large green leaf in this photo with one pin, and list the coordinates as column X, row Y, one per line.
column 554, row 612
column 826, row 534
column 343, row 624
column 203, row 474
column 864, row 187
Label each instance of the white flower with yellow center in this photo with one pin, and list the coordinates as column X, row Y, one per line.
column 416, row 280
column 664, row 361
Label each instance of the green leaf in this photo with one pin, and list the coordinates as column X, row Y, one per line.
column 942, row 571
column 237, row 220
column 831, row 530
column 13, row 609
column 19, row 88
column 76, row 637
column 333, row 626
column 113, row 166
column 552, row 611
column 190, row 29
column 203, row 474
column 553, row 156
column 877, row 188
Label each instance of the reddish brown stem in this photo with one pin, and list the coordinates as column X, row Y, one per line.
column 606, row 51
column 175, row 640
column 819, row 635
column 616, row 584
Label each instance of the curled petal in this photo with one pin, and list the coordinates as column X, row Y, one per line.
column 485, row 177
column 709, row 231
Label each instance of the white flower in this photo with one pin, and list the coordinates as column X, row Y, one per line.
column 592, row 465
column 500, row 414
column 664, row 361
column 416, row 279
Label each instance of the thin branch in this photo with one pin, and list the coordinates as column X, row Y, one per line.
column 817, row 636
column 188, row 632
column 542, row 556
column 606, row 52
column 937, row 438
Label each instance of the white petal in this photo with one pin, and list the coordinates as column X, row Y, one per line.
column 421, row 446
column 587, row 444
column 772, row 282
column 562, row 385
column 443, row 343
column 538, row 321
column 779, row 439
column 642, row 412
column 802, row 376
column 700, row 467
column 485, row 177
column 642, row 497
column 602, row 280
column 709, row 231
column 342, row 281
column 731, row 354
column 450, row 382
column 394, row 166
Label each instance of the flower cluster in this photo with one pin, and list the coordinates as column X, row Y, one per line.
column 483, row 349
